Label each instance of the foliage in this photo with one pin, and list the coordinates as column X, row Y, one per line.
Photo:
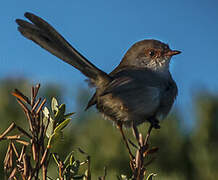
column 181, row 155
column 34, row 156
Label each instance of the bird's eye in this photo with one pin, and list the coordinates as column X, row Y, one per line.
column 151, row 53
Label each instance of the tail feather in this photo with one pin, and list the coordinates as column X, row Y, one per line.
column 48, row 38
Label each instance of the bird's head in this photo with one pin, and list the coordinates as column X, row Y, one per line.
column 149, row 53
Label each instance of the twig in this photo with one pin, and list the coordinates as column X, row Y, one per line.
column 15, row 150
column 11, row 127
column 120, row 126
column 23, row 167
column 137, row 165
column 20, row 96
column 36, row 104
column 41, row 105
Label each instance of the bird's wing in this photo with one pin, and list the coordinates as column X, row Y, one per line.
column 92, row 101
column 138, row 92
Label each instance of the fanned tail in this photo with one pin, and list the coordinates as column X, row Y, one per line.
column 48, row 38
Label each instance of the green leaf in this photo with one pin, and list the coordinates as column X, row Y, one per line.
column 122, row 177
column 150, row 176
column 55, row 137
column 50, row 141
column 50, row 128
column 59, row 116
column 57, row 133
column 72, row 159
column 54, row 105
column 46, row 112
column 68, row 115
column 62, row 125
column 55, row 159
column 75, row 167
column 48, row 121
column 69, row 156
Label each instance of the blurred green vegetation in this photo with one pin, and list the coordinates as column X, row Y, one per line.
column 181, row 156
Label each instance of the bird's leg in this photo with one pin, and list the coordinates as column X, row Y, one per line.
column 148, row 135
column 120, row 126
column 154, row 122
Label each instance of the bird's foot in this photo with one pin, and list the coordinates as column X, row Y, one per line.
column 154, row 122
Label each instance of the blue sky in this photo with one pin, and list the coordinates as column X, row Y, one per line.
column 104, row 30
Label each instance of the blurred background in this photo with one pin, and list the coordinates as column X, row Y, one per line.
column 102, row 31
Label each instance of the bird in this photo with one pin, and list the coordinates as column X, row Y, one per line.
column 140, row 89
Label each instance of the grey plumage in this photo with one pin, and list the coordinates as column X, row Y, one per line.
column 140, row 88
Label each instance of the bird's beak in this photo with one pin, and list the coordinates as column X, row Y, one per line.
column 172, row 53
